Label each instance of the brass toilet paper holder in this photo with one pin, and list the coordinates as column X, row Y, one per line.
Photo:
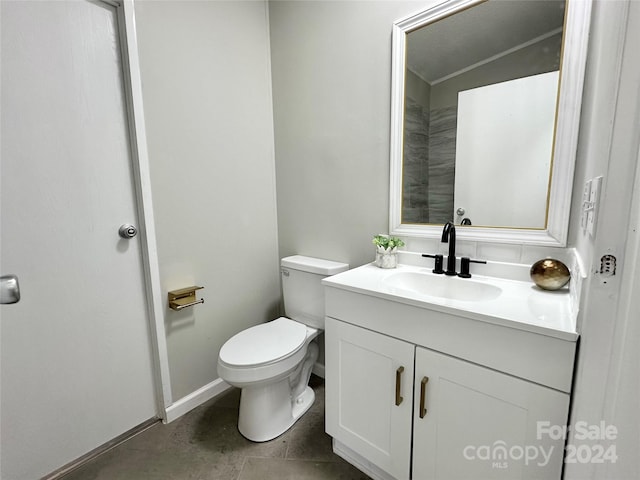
column 183, row 298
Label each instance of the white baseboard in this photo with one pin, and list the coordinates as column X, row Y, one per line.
column 209, row 391
column 195, row 399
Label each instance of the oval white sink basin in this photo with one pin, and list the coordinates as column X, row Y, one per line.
column 442, row 286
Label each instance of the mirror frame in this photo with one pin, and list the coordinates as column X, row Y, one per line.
column 574, row 54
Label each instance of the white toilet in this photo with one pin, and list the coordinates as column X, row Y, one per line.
column 272, row 362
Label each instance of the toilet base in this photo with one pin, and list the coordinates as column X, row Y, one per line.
column 267, row 411
column 303, row 403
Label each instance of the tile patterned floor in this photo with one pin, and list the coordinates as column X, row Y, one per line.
column 205, row 445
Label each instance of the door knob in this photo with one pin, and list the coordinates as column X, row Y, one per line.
column 9, row 289
column 127, row 231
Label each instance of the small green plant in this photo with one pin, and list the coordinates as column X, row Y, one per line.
column 387, row 242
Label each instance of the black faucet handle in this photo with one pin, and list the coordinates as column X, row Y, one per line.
column 438, row 263
column 464, row 266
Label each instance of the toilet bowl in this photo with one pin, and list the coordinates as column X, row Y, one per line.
column 273, row 379
column 272, row 362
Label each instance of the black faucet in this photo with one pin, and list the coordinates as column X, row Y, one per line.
column 449, row 235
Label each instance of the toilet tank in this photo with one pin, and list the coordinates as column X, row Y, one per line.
column 303, row 293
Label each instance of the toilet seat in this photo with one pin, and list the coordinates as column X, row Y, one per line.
column 264, row 344
column 264, row 353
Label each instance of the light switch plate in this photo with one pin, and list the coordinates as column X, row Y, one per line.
column 594, row 197
column 584, row 211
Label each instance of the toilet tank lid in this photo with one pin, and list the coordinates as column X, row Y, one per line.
column 314, row 265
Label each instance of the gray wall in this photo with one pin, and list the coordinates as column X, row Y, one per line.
column 207, row 100
column 331, row 67
column 209, row 124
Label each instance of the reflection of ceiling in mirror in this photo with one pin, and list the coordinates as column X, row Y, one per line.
column 479, row 33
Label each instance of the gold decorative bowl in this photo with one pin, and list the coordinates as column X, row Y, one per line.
column 550, row 274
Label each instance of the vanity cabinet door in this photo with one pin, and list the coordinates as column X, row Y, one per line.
column 482, row 424
column 369, row 388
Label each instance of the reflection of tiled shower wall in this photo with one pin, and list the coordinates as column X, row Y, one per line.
column 415, row 174
column 442, row 163
column 429, row 164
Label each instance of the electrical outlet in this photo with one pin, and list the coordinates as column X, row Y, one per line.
column 594, row 197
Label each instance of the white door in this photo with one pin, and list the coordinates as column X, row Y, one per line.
column 76, row 356
column 369, row 395
column 503, row 132
column 481, row 424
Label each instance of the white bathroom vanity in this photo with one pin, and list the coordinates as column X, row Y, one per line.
column 436, row 377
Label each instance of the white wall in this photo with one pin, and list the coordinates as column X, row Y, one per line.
column 623, row 382
column 331, row 64
column 207, row 99
column 606, row 382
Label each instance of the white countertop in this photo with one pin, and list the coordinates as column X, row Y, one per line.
column 521, row 305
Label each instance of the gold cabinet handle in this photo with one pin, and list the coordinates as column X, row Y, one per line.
column 423, row 391
column 399, row 385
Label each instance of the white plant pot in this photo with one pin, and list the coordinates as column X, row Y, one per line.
column 386, row 258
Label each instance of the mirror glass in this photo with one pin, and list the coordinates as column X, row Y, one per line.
column 480, row 114
column 480, row 111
